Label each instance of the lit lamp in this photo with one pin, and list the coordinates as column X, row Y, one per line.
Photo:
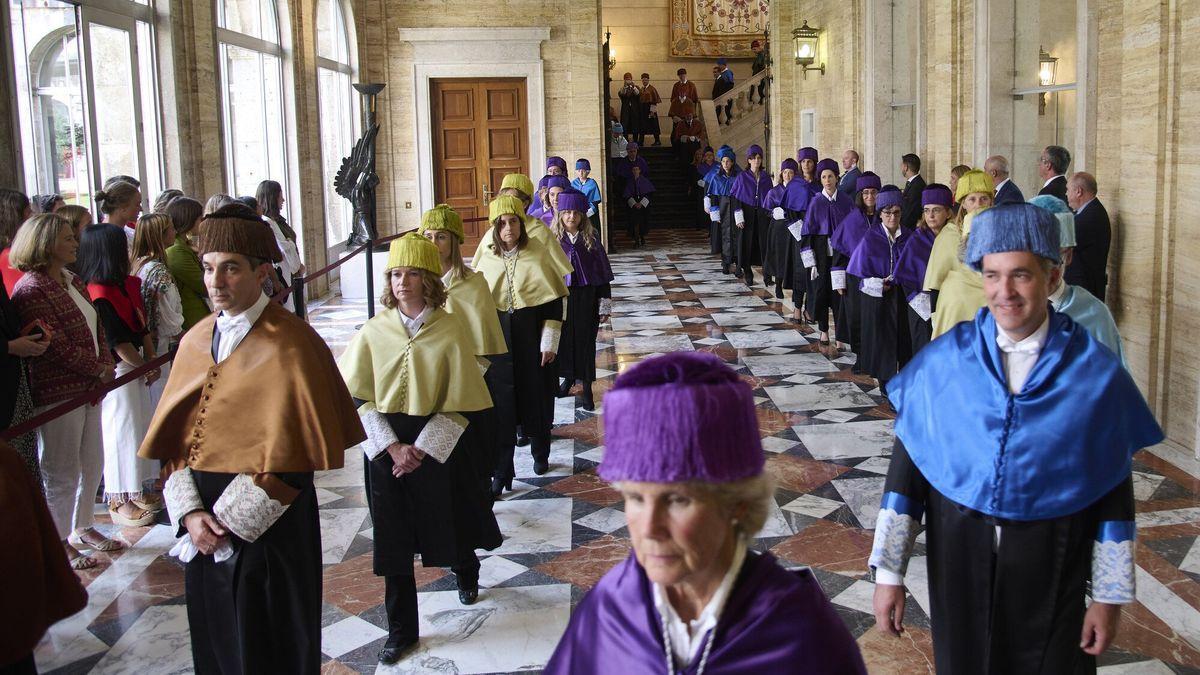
column 612, row 58
column 1047, row 68
column 805, row 40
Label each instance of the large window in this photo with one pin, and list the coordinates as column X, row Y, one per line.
column 251, row 59
column 87, row 96
column 338, row 119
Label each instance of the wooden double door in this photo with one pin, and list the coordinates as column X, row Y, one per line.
column 480, row 133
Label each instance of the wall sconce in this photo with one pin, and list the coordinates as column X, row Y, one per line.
column 612, row 58
column 1047, row 70
column 805, row 40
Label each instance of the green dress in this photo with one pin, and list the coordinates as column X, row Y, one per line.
column 184, row 265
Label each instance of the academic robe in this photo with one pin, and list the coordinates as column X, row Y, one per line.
column 849, row 233
column 718, row 187
column 1087, row 310
column 815, row 249
column 685, row 139
column 700, row 171
column 40, row 587
column 778, row 257
column 943, row 257
column 960, row 297
column 650, row 100
column 1050, row 466
column 591, row 293
column 536, row 230
column 886, row 345
column 684, row 99
column 442, row 510
column 637, row 190
column 529, row 291
column 625, row 167
column 750, row 222
column 631, row 109
column 591, row 189
column 910, row 275
column 260, row 610
column 774, row 621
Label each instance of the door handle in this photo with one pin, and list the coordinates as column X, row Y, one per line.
column 487, row 194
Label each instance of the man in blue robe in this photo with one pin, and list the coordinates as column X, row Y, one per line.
column 1014, row 439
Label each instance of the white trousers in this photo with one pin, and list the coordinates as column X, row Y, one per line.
column 156, row 389
column 126, row 415
column 71, row 451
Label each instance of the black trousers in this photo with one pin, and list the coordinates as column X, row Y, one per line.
column 400, row 599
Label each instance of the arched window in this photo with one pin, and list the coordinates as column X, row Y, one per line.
column 251, row 60
column 88, row 107
column 335, row 71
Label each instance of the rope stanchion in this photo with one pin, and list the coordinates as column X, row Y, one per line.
column 94, row 396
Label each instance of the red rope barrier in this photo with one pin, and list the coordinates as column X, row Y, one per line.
column 95, row 395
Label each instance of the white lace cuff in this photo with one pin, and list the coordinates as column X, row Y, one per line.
column 630, row 202
column 440, row 435
column 714, row 216
column 645, row 202
column 605, row 306
column 483, row 364
column 894, row 536
column 808, row 258
column 700, row 183
column 739, row 217
column 778, row 214
column 379, row 433
column 797, row 229
column 922, row 305
column 551, row 332
column 249, row 506
column 591, row 211
column 872, row 286
column 707, row 199
column 1113, row 563
column 181, row 496
column 839, row 279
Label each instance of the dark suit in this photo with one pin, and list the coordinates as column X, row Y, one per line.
column 1057, row 187
column 849, row 181
column 910, row 210
column 1009, row 194
column 1093, row 235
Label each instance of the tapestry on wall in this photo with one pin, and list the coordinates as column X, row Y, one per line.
column 717, row 27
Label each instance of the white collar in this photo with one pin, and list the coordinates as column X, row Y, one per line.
column 1057, row 296
column 510, row 253
column 1084, row 206
column 573, row 236
column 412, row 325
column 1001, row 184
column 1030, row 345
column 915, row 175
column 447, row 278
column 1052, row 179
column 891, row 237
column 830, row 197
column 246, row 319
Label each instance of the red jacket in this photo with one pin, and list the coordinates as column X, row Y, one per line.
column 68, row 366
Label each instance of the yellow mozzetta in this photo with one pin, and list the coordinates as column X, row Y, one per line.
column 943, row 257
column 537, row 231
column 533, row 277
column 433, row 372
column 960, row 292
column 471, row 300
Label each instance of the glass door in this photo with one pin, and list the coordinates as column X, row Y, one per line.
column 115, row 117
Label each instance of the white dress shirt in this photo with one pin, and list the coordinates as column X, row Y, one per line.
column 85, row 308
column 1020, row 356
column 688, row 638
column 1051, row 180
column 1084, row 206
column 1057, row 296
column 233, row 328
column 1000, row 185
column 411, row 326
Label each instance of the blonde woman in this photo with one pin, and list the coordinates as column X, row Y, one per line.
column 160, row 294
column 590, row 301
column 120, row 203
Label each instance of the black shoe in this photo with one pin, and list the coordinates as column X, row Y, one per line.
column 468, row 597
column 500, row 484
column 767, row 281
column 522, row 441
column 564, row 389
column 395, row 650
column 748, row 277
column 779, row 290
column 541, row 456
column 589, row 403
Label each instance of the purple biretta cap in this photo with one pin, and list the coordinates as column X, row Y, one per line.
column 683, row 416
column 789, row 163
column 827, row 164
column 807, row 152
column 936, row 194
column 889, row 198
column 754, row 150
column 572, row 200
column 868, row 179
column 556, row 161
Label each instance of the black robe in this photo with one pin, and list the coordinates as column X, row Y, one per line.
column 442, row 510
column 920, row 331
column 848, row 311
column 749, row 237
column 534, row 385
column 259, row 611
column 886, row 345
column 727, row 229
column 1018, row 609
column 577, row 349
column 821, row 297
column 631, row 110
column 778, row 261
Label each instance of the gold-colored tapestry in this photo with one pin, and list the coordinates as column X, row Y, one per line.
column 717, row 27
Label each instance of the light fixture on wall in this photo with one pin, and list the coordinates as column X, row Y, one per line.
column 1047, row 70
column 806, row 40
column 612, row 58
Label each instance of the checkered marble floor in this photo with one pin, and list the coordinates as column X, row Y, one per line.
column 828, row 435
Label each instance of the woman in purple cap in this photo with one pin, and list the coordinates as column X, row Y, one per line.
column 750, row 188
column 777, row 258
column 556, row 166
column 806, row 157
column 886, row 345
column 555, row 185
column 936, row 204
column 590, row 300
column 816, row 257
column 692, row 598
column 844, row 240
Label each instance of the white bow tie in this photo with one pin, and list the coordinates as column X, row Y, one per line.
column 1009, row 347
column 226, row 323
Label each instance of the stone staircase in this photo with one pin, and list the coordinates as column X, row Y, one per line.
column 746, row 124
column 672, row 208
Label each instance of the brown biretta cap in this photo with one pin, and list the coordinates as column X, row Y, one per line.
column 235, row 228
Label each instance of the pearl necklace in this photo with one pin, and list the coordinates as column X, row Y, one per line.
column 708, row 643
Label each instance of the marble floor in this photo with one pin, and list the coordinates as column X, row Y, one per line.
column 827, row 433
